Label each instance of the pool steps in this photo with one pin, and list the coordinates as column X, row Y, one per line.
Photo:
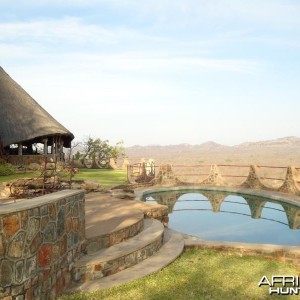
column 127, row 247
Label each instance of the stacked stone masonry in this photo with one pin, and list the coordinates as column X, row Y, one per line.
column 104, row 241
column 39, row 242
column 101, row 269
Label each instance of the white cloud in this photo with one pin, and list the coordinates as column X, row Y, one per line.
column 269, row 12
column 69, row 29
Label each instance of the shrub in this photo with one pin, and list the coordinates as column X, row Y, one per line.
column 6, row 169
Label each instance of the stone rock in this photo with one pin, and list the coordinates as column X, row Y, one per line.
column 76, row 186
column 75, row 210
column 55, row 251
column 52, row 211
column 29, row 294
column 75, row 222
column 44, row 210
column 37, row 241
column 59, row 285
column 125, row 164
column 34, row 166
column 11, row 224
column 61, row 224
column 46, row 285
column 17, row 289
column 30, row 266
column 16, row 246
column 24, row 219
column 68, row 224
column 4, row 191
column 45, row 255
column 34, row 226
column 2, row 247
column 119, row 193
column 6, row 273
column 19, row 271
column 64, row 245
column 90, row 186
column 50, row 232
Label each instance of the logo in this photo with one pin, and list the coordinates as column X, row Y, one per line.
column 281, row 284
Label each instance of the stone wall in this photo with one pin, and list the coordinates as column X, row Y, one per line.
column 26, row 160
column 39, row 241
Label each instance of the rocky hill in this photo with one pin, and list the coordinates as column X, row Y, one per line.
column 280, row 151
column 290, row 141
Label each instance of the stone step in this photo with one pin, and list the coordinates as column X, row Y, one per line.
column 120, row 256
column 173, row 245
column 111, row 227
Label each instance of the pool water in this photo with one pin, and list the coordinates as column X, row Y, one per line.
column 216, row 216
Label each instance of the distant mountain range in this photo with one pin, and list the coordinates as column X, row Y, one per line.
column 289, row 141
column 286, row 149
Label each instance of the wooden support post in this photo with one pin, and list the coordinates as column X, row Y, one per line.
column 45, row 146
column 20, row 150
column 60, row 148
column 52, row 146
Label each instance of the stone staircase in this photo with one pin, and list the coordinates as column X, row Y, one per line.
column 123, row 246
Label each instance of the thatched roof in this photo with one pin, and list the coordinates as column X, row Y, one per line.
column 22, row 119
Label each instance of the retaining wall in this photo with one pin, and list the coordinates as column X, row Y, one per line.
column 40, row 239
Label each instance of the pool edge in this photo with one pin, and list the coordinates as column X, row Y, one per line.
column 270, row 251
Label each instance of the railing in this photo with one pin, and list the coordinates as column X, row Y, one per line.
column 141, row 172
column 282, row 178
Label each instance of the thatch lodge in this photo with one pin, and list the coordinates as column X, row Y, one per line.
column 27, row 131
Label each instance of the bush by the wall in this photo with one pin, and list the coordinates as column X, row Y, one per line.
column 6, row 169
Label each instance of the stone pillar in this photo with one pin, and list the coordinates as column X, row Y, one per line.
column 256, row 206
column 125, row 164
column 214, row 177
column 253, row 179
column 215, row 199
column 293, row 216
column 290, row 183
column 166, row 176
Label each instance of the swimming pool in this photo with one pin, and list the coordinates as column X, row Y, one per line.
column 222, row 216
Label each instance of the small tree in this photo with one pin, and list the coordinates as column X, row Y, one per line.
column 97, row 153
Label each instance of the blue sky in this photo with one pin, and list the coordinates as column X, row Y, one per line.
column 160, row 71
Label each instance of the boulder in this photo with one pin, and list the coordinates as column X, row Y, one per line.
column 90, row 186
column 123, row 194
column 34, row 166
column 4, row 191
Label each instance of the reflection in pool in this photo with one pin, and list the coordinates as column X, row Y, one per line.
column 218, row 216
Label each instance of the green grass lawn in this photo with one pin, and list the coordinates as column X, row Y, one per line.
column 106, row 178
column 19, row 175
column 200, row 274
